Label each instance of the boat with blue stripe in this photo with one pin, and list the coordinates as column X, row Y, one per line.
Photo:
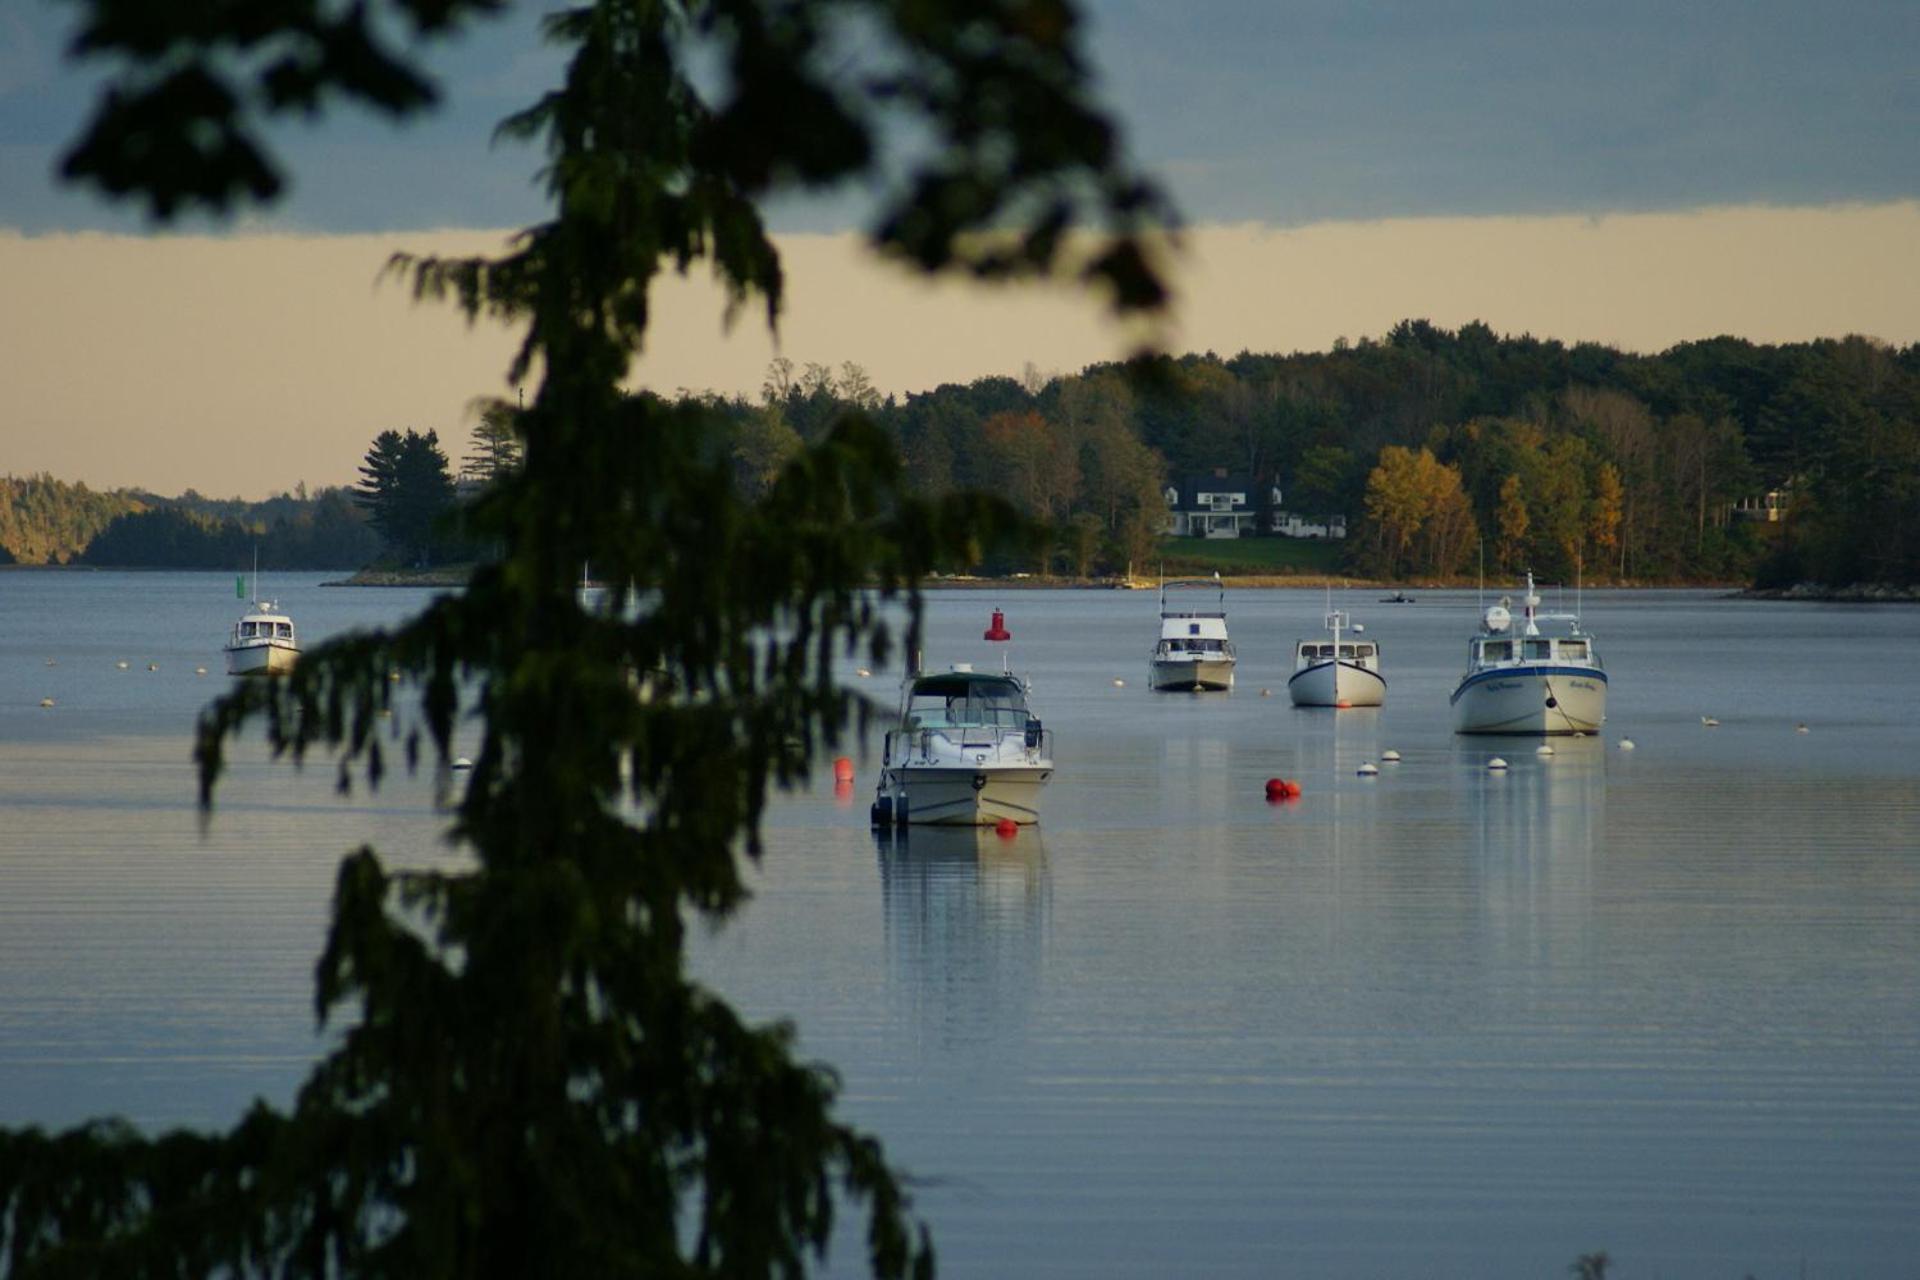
column 1530, row 680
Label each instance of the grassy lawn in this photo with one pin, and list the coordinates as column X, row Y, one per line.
column 1232, row 556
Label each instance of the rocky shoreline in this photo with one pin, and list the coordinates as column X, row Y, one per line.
column 447, row 576
column 1857, row 593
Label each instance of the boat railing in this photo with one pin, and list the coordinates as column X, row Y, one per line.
column 918, row 743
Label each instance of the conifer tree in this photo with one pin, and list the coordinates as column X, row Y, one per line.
column 527, row 1082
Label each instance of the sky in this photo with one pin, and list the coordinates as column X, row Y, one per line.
column 1634, row 173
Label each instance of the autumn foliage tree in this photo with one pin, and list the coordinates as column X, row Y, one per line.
column 1418, row 517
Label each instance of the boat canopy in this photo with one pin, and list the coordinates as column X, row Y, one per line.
column 966, row 698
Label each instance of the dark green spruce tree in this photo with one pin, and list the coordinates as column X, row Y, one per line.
column 407, row 490
column 527, row 1082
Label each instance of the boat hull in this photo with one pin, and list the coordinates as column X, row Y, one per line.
column 1531, row 700
column 967, row 795
column 1337, row 684
column 261, row 660
column 1184, row 677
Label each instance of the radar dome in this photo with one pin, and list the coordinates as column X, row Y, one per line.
column 1498, row 619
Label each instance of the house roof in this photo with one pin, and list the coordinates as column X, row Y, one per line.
column 1233, row 482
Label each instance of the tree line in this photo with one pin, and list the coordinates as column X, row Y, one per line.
column 405, row 509
column 1445, row 449
column 1441, row 447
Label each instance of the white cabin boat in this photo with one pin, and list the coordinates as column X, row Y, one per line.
column 968, row 752
column 1193, row 652
column 262, row 643
column 1337, row 672
column 1527, row 680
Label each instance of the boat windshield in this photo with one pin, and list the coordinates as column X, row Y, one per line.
column 959, row 701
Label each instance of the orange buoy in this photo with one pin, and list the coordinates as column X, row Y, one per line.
column 997, row 629
column 1006, row 828
column 843, row 770
column 1276, row 788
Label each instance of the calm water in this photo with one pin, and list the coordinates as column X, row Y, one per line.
column 1664, row 1002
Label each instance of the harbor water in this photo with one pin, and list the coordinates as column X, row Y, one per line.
column 1662, row 1002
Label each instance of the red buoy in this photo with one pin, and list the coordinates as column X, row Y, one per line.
column 1006, row 828
column 843, row 770
column 997, row 630
column 1282, row 789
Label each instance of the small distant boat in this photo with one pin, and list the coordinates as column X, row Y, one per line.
column 1131, row 583
column 1398, row 597
column 262, row 642
column 1337, row 672
column 1193, row 652
column 1530, row 681
column 968, row 751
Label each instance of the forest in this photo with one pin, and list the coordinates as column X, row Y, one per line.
column 1441, row 448
column 48, row 521
column 1444, row 450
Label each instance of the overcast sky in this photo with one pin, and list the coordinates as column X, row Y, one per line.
column 1630, row 173
column 1272, row 111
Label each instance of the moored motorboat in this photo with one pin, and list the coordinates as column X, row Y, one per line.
column 1193, row 652
column 262, row 643
column 1337, row 672
column 968, row 751
column 1528, row 680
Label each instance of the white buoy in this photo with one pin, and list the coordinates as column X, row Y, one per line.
column 1266, row 693
column 1390, row 756
column 1710, row 722
column 153, row 666
column 199, row 671
column 46, row 702
column 121, row 665
column 1544, row 749
column 461, row 762
column 863, row 673
column 1496, row 764
column 1800, row 728
column 1626, row 744
column 1119, row 683
column 1368, row 770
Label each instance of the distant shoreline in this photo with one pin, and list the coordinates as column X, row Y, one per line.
column 445, row 576
column 458, row 575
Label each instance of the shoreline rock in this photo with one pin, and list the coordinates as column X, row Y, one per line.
column 445, row 576
column 1854, row 593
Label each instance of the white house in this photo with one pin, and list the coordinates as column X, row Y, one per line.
column 1215, row 505
column 1220, row 505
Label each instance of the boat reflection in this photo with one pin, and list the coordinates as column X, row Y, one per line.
column 966, row 920
column 1539, row 826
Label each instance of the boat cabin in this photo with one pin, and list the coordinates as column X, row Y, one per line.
column 263, row 628
column 1193, row 632
column 1362, row 651
column 967, row 699
column 1486, row 651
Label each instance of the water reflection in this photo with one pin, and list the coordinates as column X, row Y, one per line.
column 967, row 914
column 1536, row 827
